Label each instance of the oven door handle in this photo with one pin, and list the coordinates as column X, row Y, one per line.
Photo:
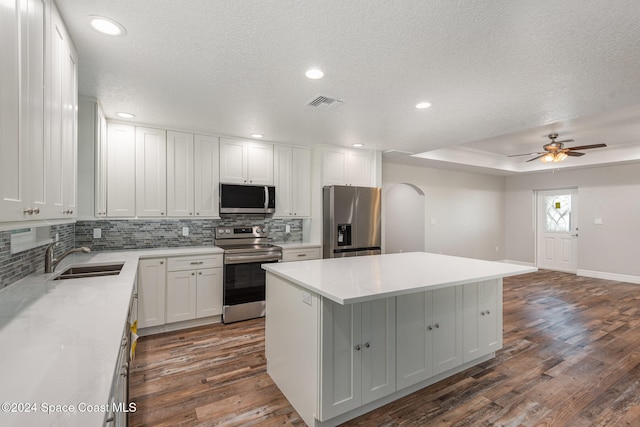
column 246, row 259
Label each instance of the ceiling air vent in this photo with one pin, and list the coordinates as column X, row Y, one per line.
column 324, row 102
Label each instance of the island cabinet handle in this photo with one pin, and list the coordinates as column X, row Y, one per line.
column 482, row 313
column 367, row 345
column 488, row 312
column 436, row 325
column 429, row 327
column 358, row 347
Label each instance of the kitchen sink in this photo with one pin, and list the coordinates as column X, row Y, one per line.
column 85, row 271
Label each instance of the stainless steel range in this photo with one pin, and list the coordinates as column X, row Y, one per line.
column 245, row 250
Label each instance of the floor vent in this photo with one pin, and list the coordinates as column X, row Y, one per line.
column 324, row 102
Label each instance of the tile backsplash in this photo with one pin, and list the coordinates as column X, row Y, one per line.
column 157, row 233
column 134, row 234
column 14, row 267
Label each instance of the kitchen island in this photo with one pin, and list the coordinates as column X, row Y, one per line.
column 347, row 335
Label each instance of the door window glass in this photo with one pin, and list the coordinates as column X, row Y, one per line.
column 557, row 213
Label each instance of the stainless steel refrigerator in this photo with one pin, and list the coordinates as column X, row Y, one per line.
column 351, row 221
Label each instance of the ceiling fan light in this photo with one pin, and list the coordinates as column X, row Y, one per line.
column 547, row 158
column 560, row 157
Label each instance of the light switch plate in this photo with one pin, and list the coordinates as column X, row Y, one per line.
column 306, row 298
column 598, row 221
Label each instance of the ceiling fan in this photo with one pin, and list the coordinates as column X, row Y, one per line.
column 554, row 151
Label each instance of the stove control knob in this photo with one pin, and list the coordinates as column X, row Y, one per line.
column 220, row 231
column 227, row 231
column 264, row 229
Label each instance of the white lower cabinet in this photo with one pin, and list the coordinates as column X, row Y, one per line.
column 482, row 303
column 152, row 275
column 358, row 354
column 429, row 334
column 179, row 288
column 194, row 287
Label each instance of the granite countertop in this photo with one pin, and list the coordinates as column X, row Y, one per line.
column 357, row 279
column 60, row 339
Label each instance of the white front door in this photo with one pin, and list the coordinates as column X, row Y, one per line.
column 557, row 230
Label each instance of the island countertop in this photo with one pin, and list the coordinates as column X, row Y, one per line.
column 358, row 279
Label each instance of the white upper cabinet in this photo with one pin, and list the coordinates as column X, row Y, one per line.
column 342, row 166
column 246, row 162
column 206, row 168
column 13, row 167
column 151, row 172
column 100, row 138
column 192, row 175
column 38, row 78
column 180, row 174
column 292, row 178
column 121, row 170
column 34, row 117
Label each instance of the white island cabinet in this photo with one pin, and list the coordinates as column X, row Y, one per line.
column 347, row 335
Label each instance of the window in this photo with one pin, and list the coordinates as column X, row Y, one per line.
column 557, row 213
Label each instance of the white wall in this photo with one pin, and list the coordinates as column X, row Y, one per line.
column 611, row 193
column 468, row 209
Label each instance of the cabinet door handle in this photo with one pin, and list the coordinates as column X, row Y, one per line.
column 488, row 312
column 200, row 273
column 193, row 274
column 436, row 325
column 367, row 344
column 36, row 210
column 28, row 211
column 429, row 328
column 358, row 347
column 482, row 313
column 302, row 255
column 197, row 262
column 161, row 262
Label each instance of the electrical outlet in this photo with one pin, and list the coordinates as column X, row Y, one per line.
column 57, row 237
column 97, row 233
column 287, row 228
column 185, row 231
column 497, row 248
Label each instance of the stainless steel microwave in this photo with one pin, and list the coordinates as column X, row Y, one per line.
column 260, row 199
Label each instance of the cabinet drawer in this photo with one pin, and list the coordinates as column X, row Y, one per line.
column 300, row 254
column 194, row 262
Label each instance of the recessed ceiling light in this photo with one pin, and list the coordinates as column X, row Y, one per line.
column 357, row 144
column 107, row 26
column 423, row 105
column 125, row 115
column 257, row 135
column 314, row 74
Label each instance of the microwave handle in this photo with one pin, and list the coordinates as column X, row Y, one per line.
column 266, row 197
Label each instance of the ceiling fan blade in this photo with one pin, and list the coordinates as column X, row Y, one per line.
column 527, row 154
column 574, row 153
column 586, row 147
column 563, row 141
column 536, row 158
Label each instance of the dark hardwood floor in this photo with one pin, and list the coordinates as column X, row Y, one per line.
column 571, row 357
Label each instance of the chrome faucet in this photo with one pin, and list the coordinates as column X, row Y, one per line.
column 50, row 262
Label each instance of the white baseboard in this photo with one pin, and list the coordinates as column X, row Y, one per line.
column 510, row 261
column 609, row 276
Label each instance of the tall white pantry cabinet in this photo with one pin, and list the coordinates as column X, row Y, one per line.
column 38, row 118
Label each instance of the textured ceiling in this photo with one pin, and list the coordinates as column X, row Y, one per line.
column 500, row 74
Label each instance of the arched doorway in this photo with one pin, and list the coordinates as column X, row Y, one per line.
column 404, row 219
